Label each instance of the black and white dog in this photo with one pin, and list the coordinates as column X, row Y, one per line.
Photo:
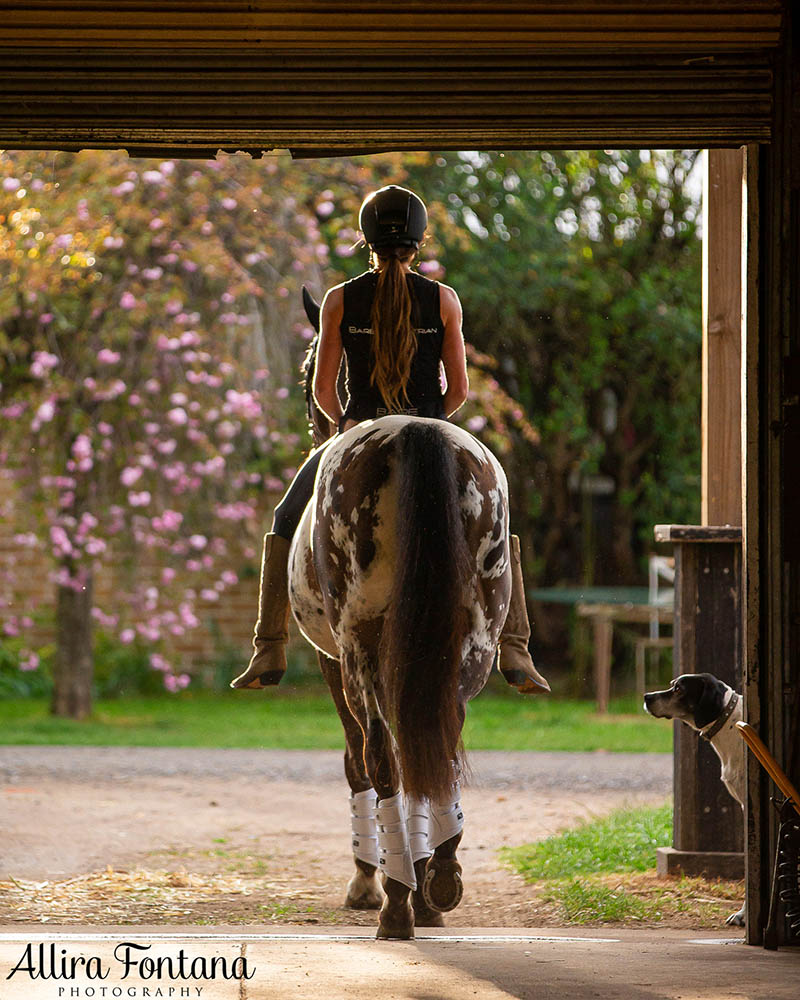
column 713, row 708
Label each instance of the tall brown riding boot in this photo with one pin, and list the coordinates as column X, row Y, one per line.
column 515, row 660
column 268, row 662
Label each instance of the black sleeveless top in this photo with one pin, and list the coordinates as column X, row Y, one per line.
column 424, row 387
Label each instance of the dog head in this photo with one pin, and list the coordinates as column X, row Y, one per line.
column 696, row 699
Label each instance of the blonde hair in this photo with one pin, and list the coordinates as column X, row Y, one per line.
column 394, row 341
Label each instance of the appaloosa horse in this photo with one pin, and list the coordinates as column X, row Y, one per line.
column 400, row 577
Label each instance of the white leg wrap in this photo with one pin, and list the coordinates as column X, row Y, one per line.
column 364, row 825
column 418, row 813
column 447, row 818
column 394, row 851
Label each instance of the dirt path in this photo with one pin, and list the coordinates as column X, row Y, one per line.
column 230, row 836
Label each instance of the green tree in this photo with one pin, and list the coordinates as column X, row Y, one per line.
column 580, row 278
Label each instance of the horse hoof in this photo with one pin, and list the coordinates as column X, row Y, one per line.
column 396, row 920
column 370, row 898
column 363, row 890
column 394, row 934
column 442, row 887
column 425, row 917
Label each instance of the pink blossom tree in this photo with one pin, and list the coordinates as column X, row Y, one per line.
column 142, row 419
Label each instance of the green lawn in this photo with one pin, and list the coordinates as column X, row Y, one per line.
column 304, row 719
column 624, row 841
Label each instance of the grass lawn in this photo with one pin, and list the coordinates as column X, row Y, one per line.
column 605, row 872
column 305, row 719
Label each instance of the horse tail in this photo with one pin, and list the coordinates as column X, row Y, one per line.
column 425, row 625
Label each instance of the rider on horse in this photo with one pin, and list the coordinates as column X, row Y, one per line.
column 397, row 330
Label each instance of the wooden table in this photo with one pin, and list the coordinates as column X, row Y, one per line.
column 604, row 606
column 603, row 617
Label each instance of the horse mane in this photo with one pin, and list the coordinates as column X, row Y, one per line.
column 421, row 654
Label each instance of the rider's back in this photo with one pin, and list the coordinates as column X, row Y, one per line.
column 424, row 389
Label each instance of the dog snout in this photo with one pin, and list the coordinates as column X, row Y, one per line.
column 654, row 704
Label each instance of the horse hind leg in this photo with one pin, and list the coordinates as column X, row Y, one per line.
column 396, row 918
column 418, row 815
column 442, row 886
column 363, row 890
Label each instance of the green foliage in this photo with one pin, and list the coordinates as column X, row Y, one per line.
column 625, row 841
column 579, row 272
column 17, row 681
column 124, row 669
column 583, row 901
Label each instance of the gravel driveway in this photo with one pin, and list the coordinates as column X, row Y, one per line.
column 276, row 822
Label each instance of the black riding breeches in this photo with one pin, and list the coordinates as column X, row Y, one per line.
column 295, row 499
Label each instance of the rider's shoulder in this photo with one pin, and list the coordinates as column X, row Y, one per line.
column 334, row 295
column 448, row 295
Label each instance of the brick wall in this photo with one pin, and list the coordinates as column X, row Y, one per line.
column 227, row 622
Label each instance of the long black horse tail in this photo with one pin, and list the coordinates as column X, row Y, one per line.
column 425, row 625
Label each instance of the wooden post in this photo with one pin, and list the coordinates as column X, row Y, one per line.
column 708, row 831
column 721, row 496
column 603, row 634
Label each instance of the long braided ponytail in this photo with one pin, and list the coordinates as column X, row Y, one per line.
column 394, row 341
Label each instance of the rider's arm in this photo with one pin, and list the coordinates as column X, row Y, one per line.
column 329, row 355
column 454, row 357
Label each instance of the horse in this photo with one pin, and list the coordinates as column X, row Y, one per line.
column 400, row 577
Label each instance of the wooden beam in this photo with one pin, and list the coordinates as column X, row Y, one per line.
column 722, row 338
column 440, row 26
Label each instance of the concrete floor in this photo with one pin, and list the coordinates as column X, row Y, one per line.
column 348, row 963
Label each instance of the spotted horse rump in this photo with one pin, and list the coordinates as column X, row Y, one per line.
column 400, row 575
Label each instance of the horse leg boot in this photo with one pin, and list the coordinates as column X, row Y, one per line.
column 363, row 891
column 268, row 662
column 442, row 887
column 418, row 813
column 396, row 918
column 515, row 660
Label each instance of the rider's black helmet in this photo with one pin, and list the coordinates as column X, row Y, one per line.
column 393, row 217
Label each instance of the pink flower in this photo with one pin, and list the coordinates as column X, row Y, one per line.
column 476, row 424
column 11, row 184
column 139, row 499
column 157, row 662
column 127, row 300
column 229, row 204
column 81, row 447
column 177, row 416
column 175, row 683
column 198, row 541
column 430, row 266
column 126, row 636
column 108, row 357
column 43, row 362
column 130, row 475
column 46, row 412
column 31, row 662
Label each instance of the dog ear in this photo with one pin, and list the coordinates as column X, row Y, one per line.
column 711, row 702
